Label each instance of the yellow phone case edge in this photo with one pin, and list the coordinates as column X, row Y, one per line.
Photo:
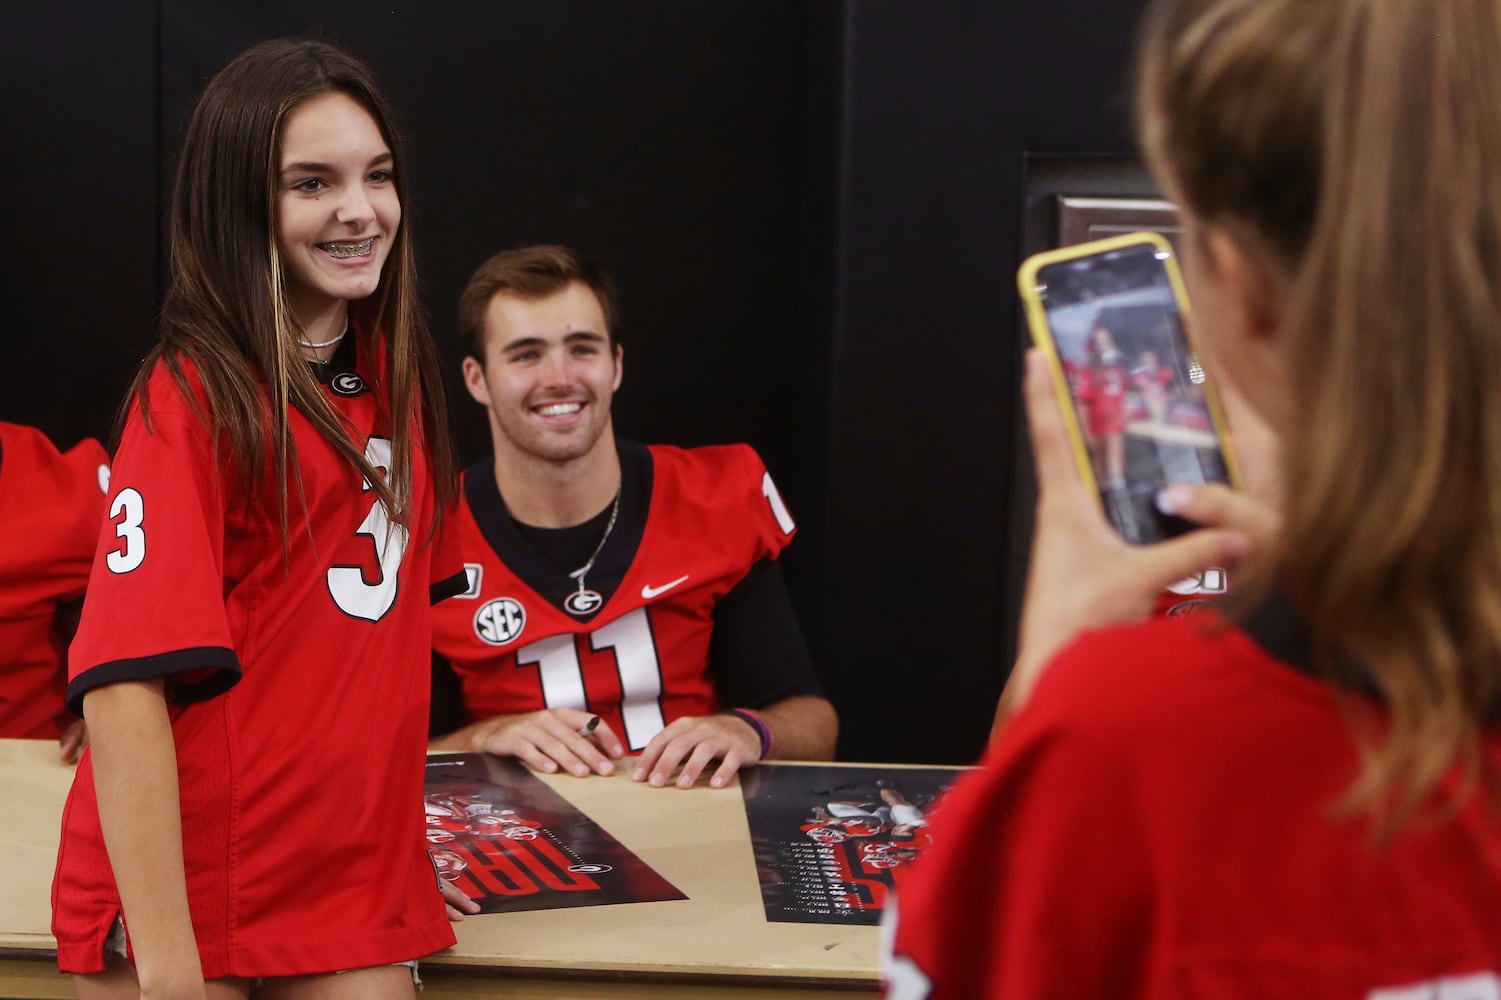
column 1042, row 338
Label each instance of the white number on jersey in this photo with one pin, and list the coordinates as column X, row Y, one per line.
column 904, row 980
column 629, row 637
column 346, row 584
column 130, row 504
column 1213, row 580
column 1480, row 986
column 778, row 508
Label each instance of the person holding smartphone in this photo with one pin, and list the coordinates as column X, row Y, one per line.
column 1298, row 798
column 252, row 655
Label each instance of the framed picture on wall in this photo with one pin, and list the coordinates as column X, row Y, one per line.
column 1081, row 219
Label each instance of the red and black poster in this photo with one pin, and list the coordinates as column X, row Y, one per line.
column 832, row 841
column 512, row 843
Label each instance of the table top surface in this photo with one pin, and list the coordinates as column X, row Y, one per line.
column 697, row 839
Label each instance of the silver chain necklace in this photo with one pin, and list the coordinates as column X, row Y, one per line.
column 321, row 344
column 585, row 601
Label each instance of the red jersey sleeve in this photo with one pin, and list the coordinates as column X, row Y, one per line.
column 765, row 513
column 52, row 502
column 757, row 653
column 1023, row 893
column 155, row 604
column 448, row 575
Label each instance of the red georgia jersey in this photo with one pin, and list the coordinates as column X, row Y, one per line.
column 51, row 504
column 297, row 685
column 1159, row 821
column 1102, row 390
column 692, row 523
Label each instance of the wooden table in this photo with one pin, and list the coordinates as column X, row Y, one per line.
column 716, row 944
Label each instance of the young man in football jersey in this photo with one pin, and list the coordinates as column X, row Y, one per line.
column 623, row 599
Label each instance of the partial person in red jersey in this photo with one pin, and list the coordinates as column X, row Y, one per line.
column 1298, row 798
column 52, row 504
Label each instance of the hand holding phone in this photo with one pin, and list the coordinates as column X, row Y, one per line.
column 1083, row 575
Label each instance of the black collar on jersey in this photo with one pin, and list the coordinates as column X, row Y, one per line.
column 343, row 361
column 570, row 546
column 537, row 571
column 1284, row 634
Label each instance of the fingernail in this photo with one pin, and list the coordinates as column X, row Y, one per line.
column 658, row 780
column 605, row 768
column 1174, row 499
column 581, row 771
column 637, row 774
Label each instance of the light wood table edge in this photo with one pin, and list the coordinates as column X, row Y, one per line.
column 615, row 983
column 24, row 977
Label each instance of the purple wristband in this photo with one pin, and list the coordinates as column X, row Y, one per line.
column 759, row 724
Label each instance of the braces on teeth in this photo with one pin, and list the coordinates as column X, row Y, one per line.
column 349, row 249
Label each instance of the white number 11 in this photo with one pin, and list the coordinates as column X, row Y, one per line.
column 629, row 638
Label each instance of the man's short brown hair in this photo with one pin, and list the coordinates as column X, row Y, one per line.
column 533, row 272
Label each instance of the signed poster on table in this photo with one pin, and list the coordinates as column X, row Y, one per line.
column 832, row 841
column 512, row 843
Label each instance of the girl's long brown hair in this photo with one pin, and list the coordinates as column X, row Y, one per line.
column 226, row 308
column 1359, row 143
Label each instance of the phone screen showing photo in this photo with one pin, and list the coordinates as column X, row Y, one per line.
column 1138, row 391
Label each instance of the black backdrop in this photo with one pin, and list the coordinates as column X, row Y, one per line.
column 813, row 209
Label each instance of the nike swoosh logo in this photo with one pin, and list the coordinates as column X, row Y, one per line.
column 648, row 591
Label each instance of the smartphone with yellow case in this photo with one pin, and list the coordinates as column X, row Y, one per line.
column 1111, row 316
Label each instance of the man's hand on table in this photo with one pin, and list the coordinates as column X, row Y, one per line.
column 693, row 742
column 547, row 741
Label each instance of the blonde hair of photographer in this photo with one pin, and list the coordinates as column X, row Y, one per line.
column 1365, row 208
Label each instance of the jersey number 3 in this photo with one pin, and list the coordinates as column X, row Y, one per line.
column 130, row 508
column 356, row 596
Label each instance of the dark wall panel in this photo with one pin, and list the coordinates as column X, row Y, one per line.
column 80, row 222
column 944, row 99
